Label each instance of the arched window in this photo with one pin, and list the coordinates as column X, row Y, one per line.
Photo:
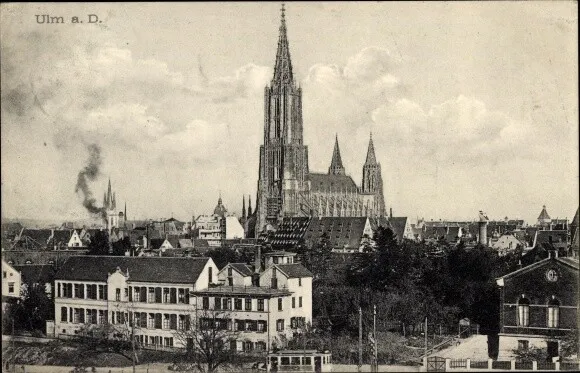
column 523, row 318
column 553, row 313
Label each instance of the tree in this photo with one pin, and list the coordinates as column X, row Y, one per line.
column 31, row 311
column 120, row 247
column 318, row 258
column 209, row 342
column 222, row 256
column 99, row 244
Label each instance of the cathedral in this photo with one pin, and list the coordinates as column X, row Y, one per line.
column 286, row 187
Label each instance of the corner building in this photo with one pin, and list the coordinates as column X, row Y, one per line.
column 286, row 187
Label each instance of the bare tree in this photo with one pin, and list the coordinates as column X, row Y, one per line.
column 211, row 342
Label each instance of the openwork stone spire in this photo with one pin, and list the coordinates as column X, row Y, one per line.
column 283, row 66
column 336, row 167
column 371, row 158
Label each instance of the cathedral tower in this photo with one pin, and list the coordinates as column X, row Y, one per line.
column 283, row 157
column 372, row 181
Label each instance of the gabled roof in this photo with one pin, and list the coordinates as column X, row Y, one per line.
column 325, row 182
column 569, row 262
column 36, row 273
column 343, row 232
column 142, row 269
column 294, row 270
column 242, row 268
column 398, row 224
column 200, row 243
column 155, row 243
column 174, row 241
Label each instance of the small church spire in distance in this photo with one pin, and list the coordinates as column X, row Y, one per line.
column 244, row 207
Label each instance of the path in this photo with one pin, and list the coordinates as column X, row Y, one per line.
column 474, row 347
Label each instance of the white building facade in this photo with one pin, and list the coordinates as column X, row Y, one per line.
column 159, row 298
column 151, row 293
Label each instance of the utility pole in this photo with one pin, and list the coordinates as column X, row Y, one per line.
column 359, row 338
column 133, row 342
column 426, row 336
column 375, row 346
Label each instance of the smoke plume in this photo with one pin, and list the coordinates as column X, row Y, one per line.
column 89, row 173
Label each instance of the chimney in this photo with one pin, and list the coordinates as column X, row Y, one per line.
column 391, row 212
column 258, row 260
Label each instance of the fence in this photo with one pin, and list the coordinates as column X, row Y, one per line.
column 503, row 365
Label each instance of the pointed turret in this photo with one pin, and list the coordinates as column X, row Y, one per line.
column 125, row 214
column 544, row 214
column 336, row 167
column 544, row 219
column 244, row 207
column 371, row 158
column 249, row 206
column 283, row 66
column 109, row 195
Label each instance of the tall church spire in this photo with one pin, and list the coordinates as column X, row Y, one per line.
column 283, row 66
column 371, row 158
column 336, row 167
column 243, row 207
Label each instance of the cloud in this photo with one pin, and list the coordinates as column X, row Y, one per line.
column 171, row 139
column 460, row 128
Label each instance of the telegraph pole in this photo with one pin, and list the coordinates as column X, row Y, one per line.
column 426, row 336
column 133, row 343
column 375, row 346
column 359, row 338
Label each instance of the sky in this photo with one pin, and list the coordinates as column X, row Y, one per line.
column 472, row 105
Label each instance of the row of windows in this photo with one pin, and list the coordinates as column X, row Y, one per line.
column 259, row 326
column 158, row 295
column 240, row 304
column 244, row 304
column 233, row 345
column 83, row 291
column 133, row 293
column 552, row 314
column 145, row 340
column 139, row 319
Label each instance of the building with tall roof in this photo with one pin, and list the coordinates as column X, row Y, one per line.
column 286, row 187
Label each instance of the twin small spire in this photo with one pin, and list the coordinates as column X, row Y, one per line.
column 336, row 166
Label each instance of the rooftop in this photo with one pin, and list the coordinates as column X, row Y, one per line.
column 245, row 290
column 182, row 270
